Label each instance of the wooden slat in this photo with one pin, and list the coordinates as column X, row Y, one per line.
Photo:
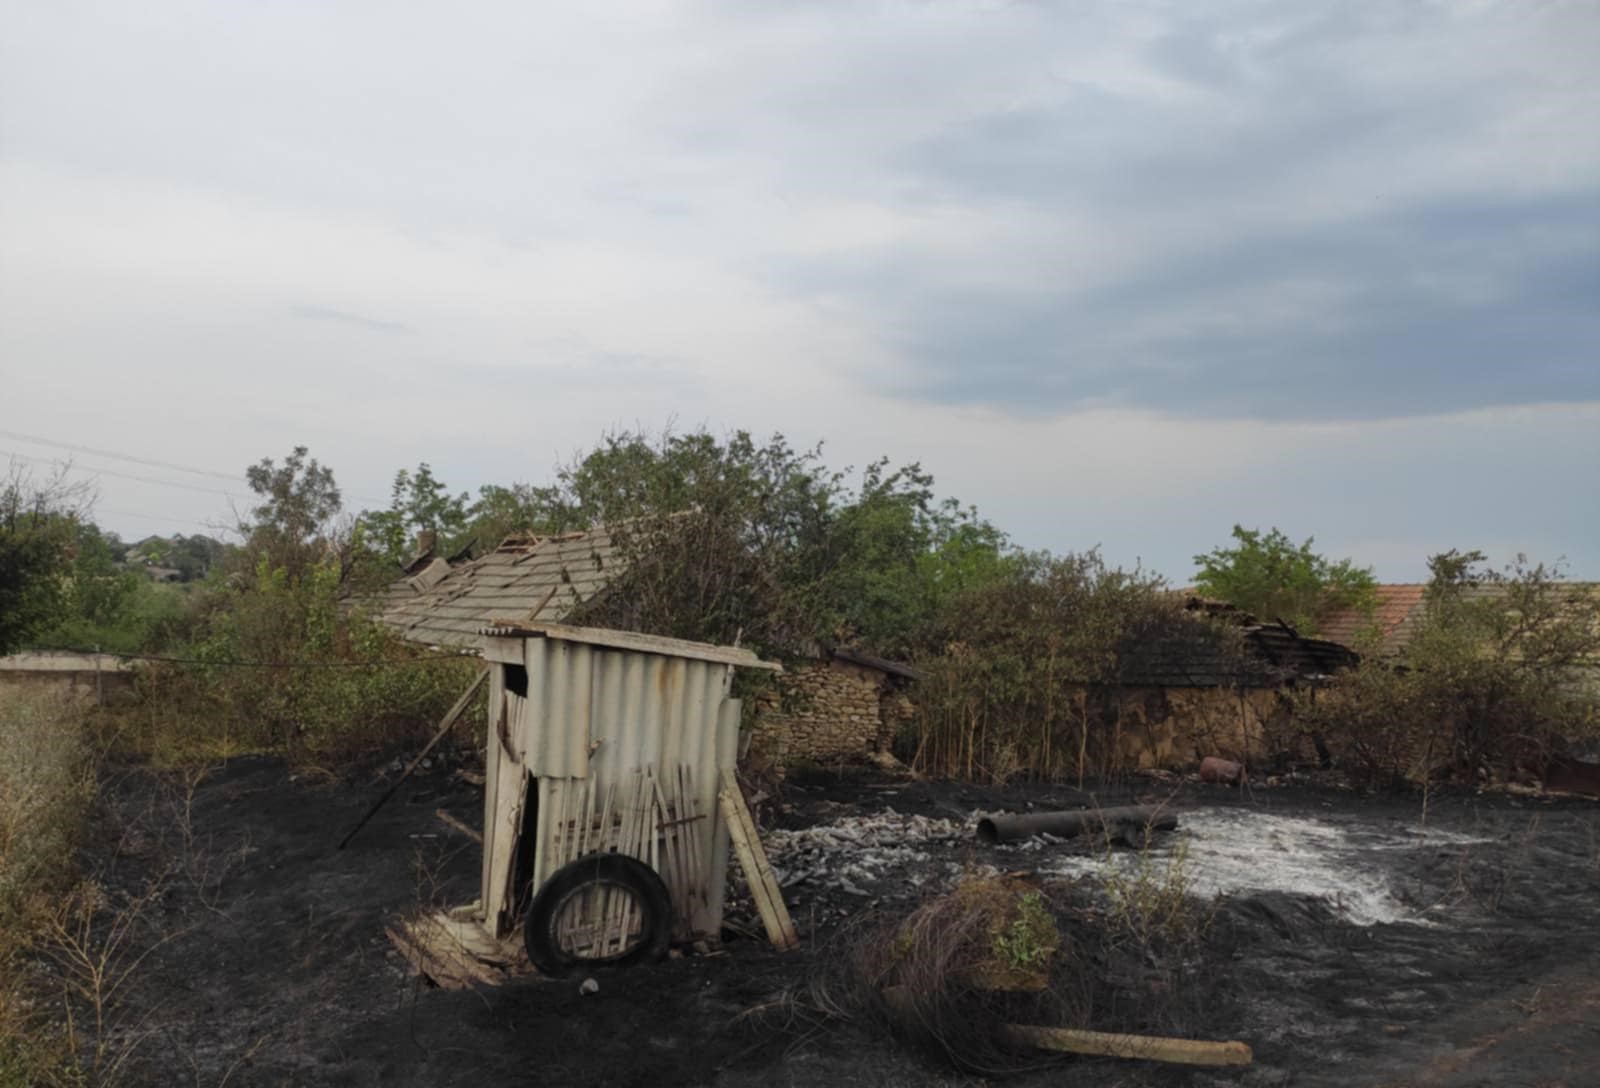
column 757, row 871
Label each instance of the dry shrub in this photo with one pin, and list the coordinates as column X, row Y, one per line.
column 1129, row 951
column 949, row 974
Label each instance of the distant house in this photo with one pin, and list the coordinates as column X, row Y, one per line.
column 446, row 601
column 1396, row 611
column 1400, row 610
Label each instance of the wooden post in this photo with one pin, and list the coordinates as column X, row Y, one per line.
column 1112, row 1045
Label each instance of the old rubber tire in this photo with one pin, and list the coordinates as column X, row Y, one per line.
column 620, row 871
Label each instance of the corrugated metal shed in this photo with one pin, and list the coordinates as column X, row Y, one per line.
column 593, row 732
column 444, row 605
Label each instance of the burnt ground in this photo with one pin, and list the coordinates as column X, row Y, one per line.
column 267, row 963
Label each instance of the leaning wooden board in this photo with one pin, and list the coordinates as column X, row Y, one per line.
column 757, row 871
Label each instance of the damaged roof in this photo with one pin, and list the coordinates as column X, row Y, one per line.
column 525, row 579
column 1273, row 654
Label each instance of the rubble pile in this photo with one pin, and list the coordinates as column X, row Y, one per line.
column 857, row 852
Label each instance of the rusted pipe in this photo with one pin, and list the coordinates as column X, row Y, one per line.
column 1009, row 827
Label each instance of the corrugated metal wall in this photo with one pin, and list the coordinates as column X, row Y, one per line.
column 593, row 719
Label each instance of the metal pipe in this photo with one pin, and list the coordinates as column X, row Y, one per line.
column 1009, row 827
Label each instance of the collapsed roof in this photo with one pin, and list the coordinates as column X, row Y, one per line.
column 526, row 579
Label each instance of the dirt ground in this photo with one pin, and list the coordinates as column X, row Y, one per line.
column 267, row 962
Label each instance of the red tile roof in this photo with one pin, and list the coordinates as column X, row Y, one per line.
column 1394, row 614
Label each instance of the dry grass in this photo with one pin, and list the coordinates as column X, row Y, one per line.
column 46, row 785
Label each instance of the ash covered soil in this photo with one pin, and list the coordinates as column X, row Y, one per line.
column 1355, row 943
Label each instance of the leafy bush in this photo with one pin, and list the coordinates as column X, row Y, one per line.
column 1497, row 678
column 1011, row 664
column 282, row 665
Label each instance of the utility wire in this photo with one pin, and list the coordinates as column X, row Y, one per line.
column 151, row 462
column 74, row 467
column 213, row 527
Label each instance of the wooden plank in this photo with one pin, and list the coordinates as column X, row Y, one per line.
column 628, row 640
column 449, row 966
column 1149, row 1047
column 690, row 835
column 757, row 870
column 459, row 826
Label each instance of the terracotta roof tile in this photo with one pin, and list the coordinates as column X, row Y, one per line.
column 1394, row 615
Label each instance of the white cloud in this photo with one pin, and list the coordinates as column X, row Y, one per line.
column 1013, row 241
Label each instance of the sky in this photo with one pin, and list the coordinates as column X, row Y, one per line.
column 1119, row 274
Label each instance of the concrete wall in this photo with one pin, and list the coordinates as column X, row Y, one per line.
column 68, row 675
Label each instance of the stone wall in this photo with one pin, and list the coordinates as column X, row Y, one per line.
column 1175, row 727
column 826, row 712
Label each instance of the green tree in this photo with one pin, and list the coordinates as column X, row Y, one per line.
column 734, row 538
column 1268, row 575
column 38, row 526
column 419, row 502
column 520, row 508
column 294, row 523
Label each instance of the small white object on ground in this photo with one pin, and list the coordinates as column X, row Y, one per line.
column 588, row 986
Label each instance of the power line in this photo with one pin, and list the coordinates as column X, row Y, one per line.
column 153, row 463
column 150, row 461
column 98, row 510
column 72, row 467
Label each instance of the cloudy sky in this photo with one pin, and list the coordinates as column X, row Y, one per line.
column 1118, row 273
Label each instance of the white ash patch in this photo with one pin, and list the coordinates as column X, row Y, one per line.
column 855, row 851
column 1231, row 851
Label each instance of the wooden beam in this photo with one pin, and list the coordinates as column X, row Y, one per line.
column 459, row 826
column 757, row 871
column 1113, row 1045
column 445, row 724
column 629, row 640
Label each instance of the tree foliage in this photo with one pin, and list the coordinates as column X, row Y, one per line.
column 39, row 522
column 419, row 503
column 294, row 522
column 1501, row 673
column 1270, row 576
column 107, row 605
column 732, row 537
column 1013, row 662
